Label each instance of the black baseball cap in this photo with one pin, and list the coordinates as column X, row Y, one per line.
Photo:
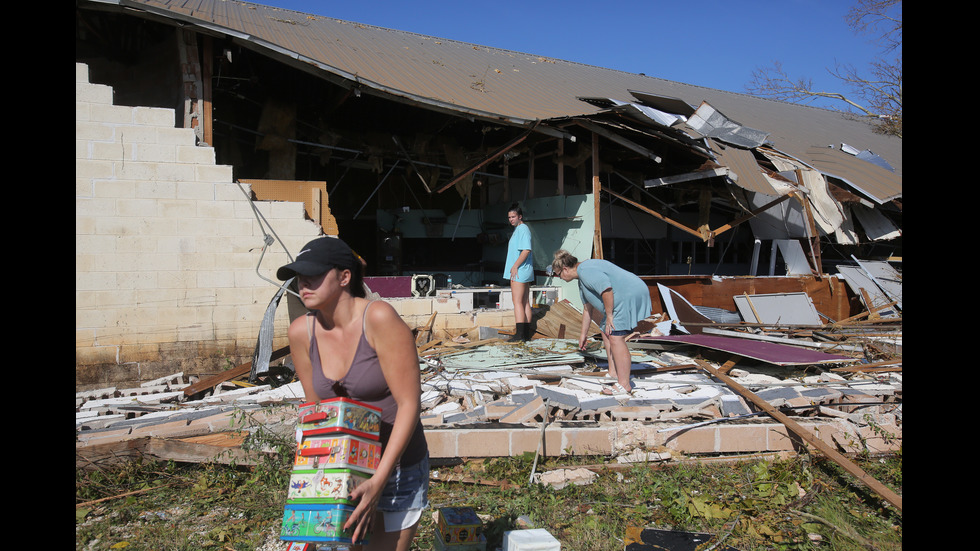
column 318, row 257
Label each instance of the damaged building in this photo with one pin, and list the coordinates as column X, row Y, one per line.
column 214, row 138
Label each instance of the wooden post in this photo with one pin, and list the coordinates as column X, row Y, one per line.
column 597, row 235
column 530, row 173
column 207, row 69
column 811, row 229
column 561, row 167
column 191, row 81
column 506, row 180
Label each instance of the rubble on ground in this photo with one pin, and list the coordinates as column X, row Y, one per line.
column 854, row 385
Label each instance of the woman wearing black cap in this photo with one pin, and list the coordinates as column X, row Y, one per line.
column 347, row 346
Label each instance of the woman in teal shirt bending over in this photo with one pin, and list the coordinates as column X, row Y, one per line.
column 520, row 271
column 616, row 299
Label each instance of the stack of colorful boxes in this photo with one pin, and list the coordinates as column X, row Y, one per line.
column 459, row 529
column 337, row 450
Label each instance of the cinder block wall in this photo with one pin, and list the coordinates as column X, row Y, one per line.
column 166, row 248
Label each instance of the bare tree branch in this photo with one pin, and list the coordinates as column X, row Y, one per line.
column 875, row 95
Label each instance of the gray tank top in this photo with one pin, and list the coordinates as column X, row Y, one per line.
column 365, row 382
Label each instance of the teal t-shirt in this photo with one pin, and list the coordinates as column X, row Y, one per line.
column 520, row 240
column 631, row 296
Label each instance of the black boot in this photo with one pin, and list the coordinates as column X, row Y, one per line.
column 528, row 331
column 520, row 333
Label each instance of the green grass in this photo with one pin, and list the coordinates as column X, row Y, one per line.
column 798, row 503
column 803, row 502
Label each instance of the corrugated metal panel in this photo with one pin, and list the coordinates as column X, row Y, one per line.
column 499, row 83
column 875, row 182
column 710, row 122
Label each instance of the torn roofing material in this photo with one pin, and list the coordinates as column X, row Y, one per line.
column 876, row 283
column 745, row 171
column 711, row 123
column 664, row 103
column 870, row 179
column 681, row 310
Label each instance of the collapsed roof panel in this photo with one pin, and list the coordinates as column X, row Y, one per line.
column 870, row 179
column 828, row 213
column 745, row 171
column 648, row 114
column 663, row 103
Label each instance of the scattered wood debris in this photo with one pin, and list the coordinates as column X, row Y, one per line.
column 847, row 374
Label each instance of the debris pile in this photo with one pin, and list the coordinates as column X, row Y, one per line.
column 835, row 386
column 494, row 381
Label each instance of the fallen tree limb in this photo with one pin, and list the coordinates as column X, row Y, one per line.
column 117, row 496
column 440, row 477
column 886, row 493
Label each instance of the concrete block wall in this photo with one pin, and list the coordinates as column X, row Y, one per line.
column 167, row 247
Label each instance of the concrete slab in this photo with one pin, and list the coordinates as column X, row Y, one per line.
column 558, row 396
column 526, row 412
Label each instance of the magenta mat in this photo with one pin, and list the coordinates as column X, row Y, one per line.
column 778, row 354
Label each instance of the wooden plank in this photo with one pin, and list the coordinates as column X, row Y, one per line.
column 233, row 373
column 727, row 366
column 160, row 449
column 425, row 332
column 651, row 212
column 216, row 380
column 489, row 158
column 885, row 492
column 783, row 340
column 723, row 228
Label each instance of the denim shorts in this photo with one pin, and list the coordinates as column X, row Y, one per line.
column 620, row 333
column 408, row 488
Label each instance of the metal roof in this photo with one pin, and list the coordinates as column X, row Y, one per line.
column 501, row 84
column 876, row 182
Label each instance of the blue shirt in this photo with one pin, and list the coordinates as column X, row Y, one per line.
column 520, row 240
column 631, row 296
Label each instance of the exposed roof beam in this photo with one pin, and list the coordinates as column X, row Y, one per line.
column 612, row 136
column 490, row 158
column 687, row 177
column 674, row 223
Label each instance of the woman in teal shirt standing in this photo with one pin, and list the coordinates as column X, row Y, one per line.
column 520, row 271
column 617, row 299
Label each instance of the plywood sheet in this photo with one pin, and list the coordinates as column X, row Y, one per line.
column 312, row 194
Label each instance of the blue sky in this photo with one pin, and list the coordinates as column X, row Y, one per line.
column 711, row 43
